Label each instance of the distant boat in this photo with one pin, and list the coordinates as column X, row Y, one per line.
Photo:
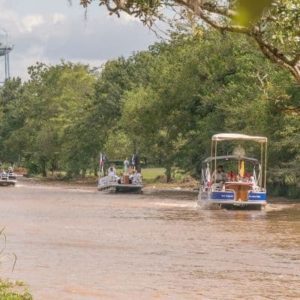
column 8, row 178
column 124, row 184
column 244, row 182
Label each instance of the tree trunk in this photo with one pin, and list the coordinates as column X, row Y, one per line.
column 95, row 171
column 43, row 168
column 169, row 173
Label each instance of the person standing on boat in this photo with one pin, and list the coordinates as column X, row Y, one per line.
column 133, row 161
column 219, row 175
column 126, row 165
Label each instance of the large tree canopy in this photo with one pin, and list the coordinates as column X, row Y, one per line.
column 274, row 25
column 164, row 103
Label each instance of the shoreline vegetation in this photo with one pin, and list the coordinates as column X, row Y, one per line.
column 154, row 181
column 163, row 104
column 153, row 178
column 11, row 290
column 14, row 290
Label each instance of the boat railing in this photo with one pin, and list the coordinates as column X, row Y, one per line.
column 4, row 176
column 137, row 180
column 107, row 180
column 216, row 187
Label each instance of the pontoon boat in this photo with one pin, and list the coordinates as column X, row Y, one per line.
column 244, row 182
column 125, row 184
column 7, row 179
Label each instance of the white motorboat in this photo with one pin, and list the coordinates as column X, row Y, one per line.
column 8, row 179
column 124, row 184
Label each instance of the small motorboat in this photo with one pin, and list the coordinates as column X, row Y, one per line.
column 244, row 183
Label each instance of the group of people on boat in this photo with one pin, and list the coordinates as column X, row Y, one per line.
column 220, row 176
column 131, row 174
column 7, row 174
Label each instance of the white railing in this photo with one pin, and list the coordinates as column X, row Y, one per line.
column 108, row 180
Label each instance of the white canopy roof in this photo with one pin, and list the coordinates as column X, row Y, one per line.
column 231, row 157
column 238, row 136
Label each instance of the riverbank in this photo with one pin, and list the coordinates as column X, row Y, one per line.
column 14, row 290
column 156, row 188
column 186, row 184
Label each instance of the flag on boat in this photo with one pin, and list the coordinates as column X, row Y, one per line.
column 101, row 160
column 207, row 175
column 259, row 176
column 254, row 176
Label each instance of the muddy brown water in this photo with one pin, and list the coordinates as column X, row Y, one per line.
column 77, row 243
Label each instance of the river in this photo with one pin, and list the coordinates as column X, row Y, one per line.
column 77, row 243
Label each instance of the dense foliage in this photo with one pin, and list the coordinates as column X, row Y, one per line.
column 13, row 291
column 164, row 103
column 272, row 24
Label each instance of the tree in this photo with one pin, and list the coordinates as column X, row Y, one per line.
column 12, row 111
column 201, row 85
column 164, row 103
column 274, row 25
column 39, row 115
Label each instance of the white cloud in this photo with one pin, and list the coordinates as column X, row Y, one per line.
column 50, row 31
column 30, row 22
column 58, row 18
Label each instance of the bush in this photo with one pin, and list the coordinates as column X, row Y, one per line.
column 13, row 291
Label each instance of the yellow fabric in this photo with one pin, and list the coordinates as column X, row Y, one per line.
column 242, row 168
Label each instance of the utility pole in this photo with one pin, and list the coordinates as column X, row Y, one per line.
column 5, row 49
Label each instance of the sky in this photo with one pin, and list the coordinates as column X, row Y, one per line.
column 51, row 30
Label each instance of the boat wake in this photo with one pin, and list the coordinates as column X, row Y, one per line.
column 278, row 207
column 180, row 205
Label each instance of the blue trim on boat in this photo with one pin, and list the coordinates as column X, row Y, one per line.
column 257, row 196
column 222, row 196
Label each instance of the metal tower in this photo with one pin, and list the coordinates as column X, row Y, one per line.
column 5, row 49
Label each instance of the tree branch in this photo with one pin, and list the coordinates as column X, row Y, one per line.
column 204, row 11
column 217, row 16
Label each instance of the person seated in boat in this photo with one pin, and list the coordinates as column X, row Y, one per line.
column 3, row 174
column 137, row 177
column 248, row 177
column 131, row 175
column 219, row 175
column 231, row 176
column 10, row 171
column 252, row 181
column 239, row 178
column 111, row 172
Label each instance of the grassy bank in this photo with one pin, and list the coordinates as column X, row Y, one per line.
column 152, row 175
column 152, row 178
column 14, row 291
